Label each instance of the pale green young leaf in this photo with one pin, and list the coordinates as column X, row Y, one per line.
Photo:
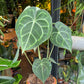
column 53, row 61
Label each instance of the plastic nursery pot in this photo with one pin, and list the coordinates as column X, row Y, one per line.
column 32, row 79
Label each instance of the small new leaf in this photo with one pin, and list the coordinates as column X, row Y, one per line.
column 53, row 61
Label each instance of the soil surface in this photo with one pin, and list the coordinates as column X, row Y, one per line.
column 34, row 80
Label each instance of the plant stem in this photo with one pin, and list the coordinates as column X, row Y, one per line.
column 16, row 56
column 28, row 59
column 51, row 51
column 39, row 53
column 48, row 49
column 75, row 20
column 5, row 19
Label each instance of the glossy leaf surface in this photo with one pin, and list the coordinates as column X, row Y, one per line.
column 61, row 36
column 42, row 68
column 33, row 27
column 5, row 64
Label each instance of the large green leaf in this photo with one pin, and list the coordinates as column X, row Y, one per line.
column 61, row 36
column 5, row 64
column 42, row 68
column 6, row 80
column 33, row 27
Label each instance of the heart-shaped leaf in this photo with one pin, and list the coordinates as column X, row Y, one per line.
column 6, row 80
column 5, row 64
column 33, row 27
column 42, row 68
column 61, row 36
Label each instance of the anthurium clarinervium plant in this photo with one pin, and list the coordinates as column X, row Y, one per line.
column 34, row 26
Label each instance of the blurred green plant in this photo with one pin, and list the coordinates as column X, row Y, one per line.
column 80, row 58
column 67, row 74
column 44, row 4
column 5, row 5
column 18, row 78
column 77, row 6
column 6, row 80
column 60, row 72
column 2, row 24
column 6, row 52
column 77, row 33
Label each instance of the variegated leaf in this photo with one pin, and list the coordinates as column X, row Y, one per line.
column 33, row 27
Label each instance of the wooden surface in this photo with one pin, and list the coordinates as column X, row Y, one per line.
column 66, row 59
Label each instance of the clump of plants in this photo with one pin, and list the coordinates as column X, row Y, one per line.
column 34, row 26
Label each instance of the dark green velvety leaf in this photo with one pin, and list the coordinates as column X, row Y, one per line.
column 61, row 36
column 5, row 64
column 42, row 68
column 33, row 27
column 6, row 80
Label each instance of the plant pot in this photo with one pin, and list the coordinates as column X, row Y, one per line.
column 32, row 79
column 77, row 43
column 60, row 80
column 66, row 82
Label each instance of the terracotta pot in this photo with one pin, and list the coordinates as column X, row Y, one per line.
column 66, row 82
column 60, row 81
column 77, row 43
column 32, row 79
